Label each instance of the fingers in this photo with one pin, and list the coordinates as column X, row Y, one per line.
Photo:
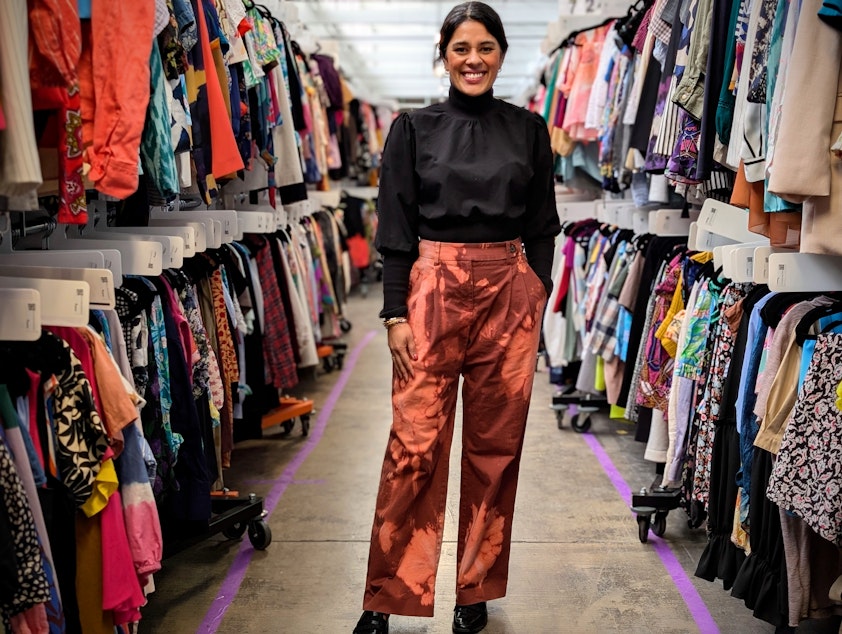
column 402, row 346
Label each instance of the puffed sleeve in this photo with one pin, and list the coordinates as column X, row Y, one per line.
column 397, row 210
column 541, row 224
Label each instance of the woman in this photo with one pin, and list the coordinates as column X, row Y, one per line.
column 465, row 185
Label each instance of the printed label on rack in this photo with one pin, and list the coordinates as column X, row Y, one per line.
column 152, row 260
column 31, row 321
column 80, row 300
column 749, row 266
column 710, row 220
column 765, row 269
column 103, row 290
column 780, row 280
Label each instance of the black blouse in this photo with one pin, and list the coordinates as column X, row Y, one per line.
column 471, row 169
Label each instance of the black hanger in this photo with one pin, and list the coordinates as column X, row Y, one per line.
column 570, row 40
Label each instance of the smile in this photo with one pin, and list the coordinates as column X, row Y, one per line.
column 474, row 76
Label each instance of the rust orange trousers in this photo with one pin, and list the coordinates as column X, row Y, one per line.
column 475, row 311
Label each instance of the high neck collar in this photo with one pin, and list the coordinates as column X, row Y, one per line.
column 479, row 104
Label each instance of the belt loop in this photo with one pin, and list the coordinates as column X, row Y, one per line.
column 438, row 252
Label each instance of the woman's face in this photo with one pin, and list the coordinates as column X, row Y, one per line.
column 473, row 58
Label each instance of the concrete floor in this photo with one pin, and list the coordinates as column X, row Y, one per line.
column 576, row 566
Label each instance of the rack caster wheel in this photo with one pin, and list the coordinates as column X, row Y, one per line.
column 305, row 424
column 580, row 424
column 559, row 417
column 344, row 325
column 327, row 364
column 659, row 526
column 340, row 361
column 644, row 521
column 235, row 531
column 286, row 427
column 260, row 535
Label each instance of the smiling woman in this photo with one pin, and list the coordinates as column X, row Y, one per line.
column 466, row 229
column 472, row 46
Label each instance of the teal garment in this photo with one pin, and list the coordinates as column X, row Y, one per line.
column 831, row 13
column 725, row 109
column 773, row 202
column 689, row 361
column 584, row 158
column 156, row 152
column 11, row 420
column 158, row 335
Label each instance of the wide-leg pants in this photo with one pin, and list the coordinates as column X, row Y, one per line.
column 475, row 311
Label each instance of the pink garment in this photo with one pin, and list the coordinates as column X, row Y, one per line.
column 31, row 621
column 2, row 119
column 121, row 590
column 590, row 48
column 188, row 344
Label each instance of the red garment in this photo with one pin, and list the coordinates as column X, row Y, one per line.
column 64, row 132
column 54, row 53
column 34, row 404
column 55, row 42
column 114, row 76
column 277, row 348
column 226, row 157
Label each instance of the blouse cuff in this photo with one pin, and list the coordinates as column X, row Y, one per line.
column 396, row 268
column 539, row 254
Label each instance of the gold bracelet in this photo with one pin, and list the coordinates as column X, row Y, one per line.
column 393, row 321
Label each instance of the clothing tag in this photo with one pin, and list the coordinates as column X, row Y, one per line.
column 749, row 266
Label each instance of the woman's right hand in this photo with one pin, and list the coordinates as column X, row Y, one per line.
column 402, row 347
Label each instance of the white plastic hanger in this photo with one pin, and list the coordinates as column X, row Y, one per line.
column 725, row 220
column 20, row 314
column 171, row 247
column 734, row 268
column 576, row 211
column 280, row 214
column 63, row 302
column 100, row 281
column 70, row 257
column 255, row 222
column 136, row 257
column 640, row 221
column 186, row 233
column 761, row 262
column 227, row 218
column 668, row 222
column 805, row 272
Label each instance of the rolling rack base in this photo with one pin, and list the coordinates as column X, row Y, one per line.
column 233, row 515
column 576, row 408
column 651, row 507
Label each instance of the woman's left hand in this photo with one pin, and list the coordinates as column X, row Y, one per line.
column 402, row 347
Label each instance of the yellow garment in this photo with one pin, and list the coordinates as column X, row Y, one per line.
column 89, row 577
column 702, row 257
column 104, row 486
column 617, row 413
column 599, row 379
column 676, row 306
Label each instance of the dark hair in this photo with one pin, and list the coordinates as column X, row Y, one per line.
column 477, row 11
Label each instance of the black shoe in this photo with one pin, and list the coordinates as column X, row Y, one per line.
column 469, row 619
column 372, row 623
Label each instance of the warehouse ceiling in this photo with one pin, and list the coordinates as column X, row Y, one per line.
column 387, row 47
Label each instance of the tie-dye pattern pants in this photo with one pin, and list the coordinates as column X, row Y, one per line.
column 475, row 311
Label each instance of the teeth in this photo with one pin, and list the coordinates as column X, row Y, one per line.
column 473, row 75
